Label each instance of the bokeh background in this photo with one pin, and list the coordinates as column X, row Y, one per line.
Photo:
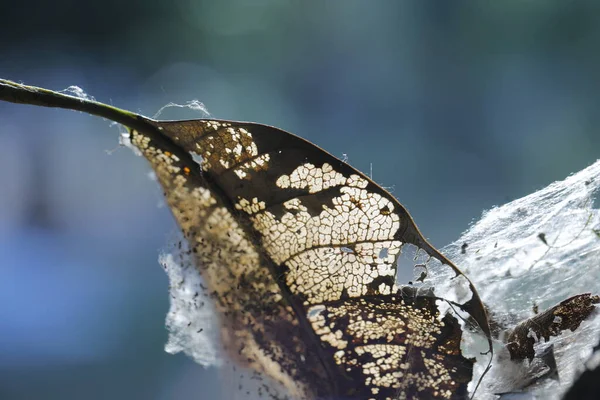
column 456, row 106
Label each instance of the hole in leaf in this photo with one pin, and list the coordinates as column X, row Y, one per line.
column 383, row 253
column 197, row 158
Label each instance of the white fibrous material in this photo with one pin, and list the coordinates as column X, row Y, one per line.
column 535, row 252
column 194, row 105
column 76, row 91
column 125, row 141
column 192, row 322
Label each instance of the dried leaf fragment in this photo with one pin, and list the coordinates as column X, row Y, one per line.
column 567, row 315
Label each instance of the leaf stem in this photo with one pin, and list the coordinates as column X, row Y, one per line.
column 23, row 94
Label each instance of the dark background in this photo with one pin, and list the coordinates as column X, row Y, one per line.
column 457, row 106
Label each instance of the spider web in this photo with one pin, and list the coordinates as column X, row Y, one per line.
column 540, row 249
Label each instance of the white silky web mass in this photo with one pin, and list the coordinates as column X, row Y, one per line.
column 191, row 321
column 540, row 249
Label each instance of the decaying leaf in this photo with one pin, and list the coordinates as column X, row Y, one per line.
column 299, row 252
column 567, row 315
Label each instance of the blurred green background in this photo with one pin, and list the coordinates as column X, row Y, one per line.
column 457, row 106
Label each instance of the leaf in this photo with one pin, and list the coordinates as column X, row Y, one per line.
column 300, row 254
column 300, row 251
column 567, row 315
